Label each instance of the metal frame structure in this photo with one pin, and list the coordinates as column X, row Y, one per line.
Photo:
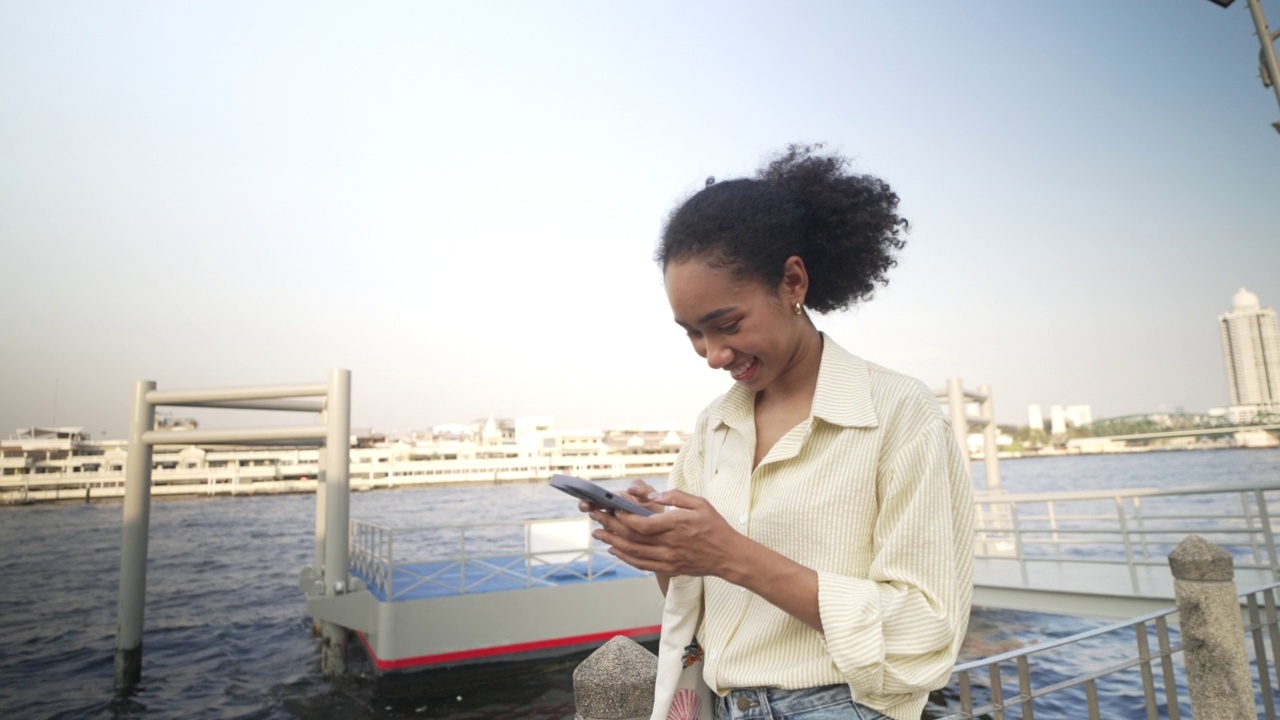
column 332, row 502
column 957, row 400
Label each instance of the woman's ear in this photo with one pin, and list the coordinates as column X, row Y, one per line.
column 795, row 281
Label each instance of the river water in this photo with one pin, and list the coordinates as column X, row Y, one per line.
column 227, row 636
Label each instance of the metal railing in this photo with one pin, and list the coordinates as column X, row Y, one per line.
column 1262, row 628
column 1004, row 686
column 1133, row 527
column 461, row 559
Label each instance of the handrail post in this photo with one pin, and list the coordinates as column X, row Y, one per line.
column 1218, row 677
column 133, row 545
column 1248, row 527
column 1019, row 550
column 1053, row 524
column 980, row 529
column 336, row 566
column 1128, row 543
column 322, row 474
column 1142, row 527
column 391, row 563
column 1264, row 516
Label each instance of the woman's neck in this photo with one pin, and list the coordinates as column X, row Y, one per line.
column 800, row 379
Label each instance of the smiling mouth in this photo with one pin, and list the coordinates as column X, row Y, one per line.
column 738, row 372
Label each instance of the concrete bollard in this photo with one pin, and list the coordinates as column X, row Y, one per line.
column 1218, row 676
column 616, row 682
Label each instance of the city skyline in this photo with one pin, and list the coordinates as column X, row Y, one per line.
column 460, row 203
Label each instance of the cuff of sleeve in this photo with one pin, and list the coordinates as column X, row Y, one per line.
column 852, row 630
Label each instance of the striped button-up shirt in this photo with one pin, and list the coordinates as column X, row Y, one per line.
column 873, row 493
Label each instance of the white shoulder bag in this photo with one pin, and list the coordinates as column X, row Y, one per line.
column 680, row 692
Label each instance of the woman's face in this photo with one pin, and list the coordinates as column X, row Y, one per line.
column 741, row 326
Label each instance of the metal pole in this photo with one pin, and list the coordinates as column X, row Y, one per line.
column 1272, row 66
column 321, row 476
column 337, row 497
column 959, row 423
column 990, row 453
column 321, row 466
column 133, row 545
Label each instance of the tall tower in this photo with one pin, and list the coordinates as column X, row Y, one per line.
column 1035, row 420
column 1251, row 351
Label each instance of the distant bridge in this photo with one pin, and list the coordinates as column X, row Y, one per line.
column 1195, row 432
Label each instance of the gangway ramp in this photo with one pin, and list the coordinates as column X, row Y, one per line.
column 1104, row 553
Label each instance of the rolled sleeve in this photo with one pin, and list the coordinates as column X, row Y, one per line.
column 851, row 620
column 898, row 631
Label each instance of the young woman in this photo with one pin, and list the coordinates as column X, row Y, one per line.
column 818, row 525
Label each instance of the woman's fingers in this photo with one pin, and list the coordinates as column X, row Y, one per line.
column 645, row 556
column 679, row 499
column 639, row 492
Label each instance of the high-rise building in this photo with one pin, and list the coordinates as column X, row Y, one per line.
column 1057, row 420
column 1079, row 415
column 1035, row 420
column 1251, row 351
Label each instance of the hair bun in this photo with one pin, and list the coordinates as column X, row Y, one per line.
column 803, row 203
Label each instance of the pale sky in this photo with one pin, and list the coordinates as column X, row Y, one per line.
column 459, row 201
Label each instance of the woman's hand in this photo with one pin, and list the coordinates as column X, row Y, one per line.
column 690, row 538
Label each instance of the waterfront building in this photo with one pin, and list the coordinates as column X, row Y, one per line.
column 1079, row 415
column 1035, row 419
column 1057, row 420
column 1251, row 354
column 47, row 463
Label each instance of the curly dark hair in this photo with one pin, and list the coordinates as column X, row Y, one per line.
column 802, row 202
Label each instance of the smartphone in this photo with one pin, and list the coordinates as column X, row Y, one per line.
column 596, row 495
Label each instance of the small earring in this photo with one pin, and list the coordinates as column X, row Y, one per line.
column 799, row 309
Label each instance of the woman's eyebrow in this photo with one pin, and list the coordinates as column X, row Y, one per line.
column 719, row 312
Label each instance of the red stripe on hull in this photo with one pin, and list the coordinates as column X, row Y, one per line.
column 499, row 650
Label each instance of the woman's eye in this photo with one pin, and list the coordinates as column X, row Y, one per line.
column 730, row 329
column 693, row 334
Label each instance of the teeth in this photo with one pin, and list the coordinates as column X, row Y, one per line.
column 739, row 370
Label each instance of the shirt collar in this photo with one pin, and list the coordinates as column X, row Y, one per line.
column 842, row 396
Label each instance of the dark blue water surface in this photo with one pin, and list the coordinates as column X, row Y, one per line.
column 227, row 636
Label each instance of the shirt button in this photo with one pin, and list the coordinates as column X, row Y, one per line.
column 713, row 655
column 742, row 519
column 742, row 589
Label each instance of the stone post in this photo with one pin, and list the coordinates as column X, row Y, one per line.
column 1218, row 675
column 616, row 682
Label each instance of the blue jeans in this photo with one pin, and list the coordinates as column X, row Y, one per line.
column 832, row 702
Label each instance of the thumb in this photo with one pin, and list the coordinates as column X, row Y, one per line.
column 676, row 498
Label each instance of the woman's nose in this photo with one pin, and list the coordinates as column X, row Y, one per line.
column 718, row 355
